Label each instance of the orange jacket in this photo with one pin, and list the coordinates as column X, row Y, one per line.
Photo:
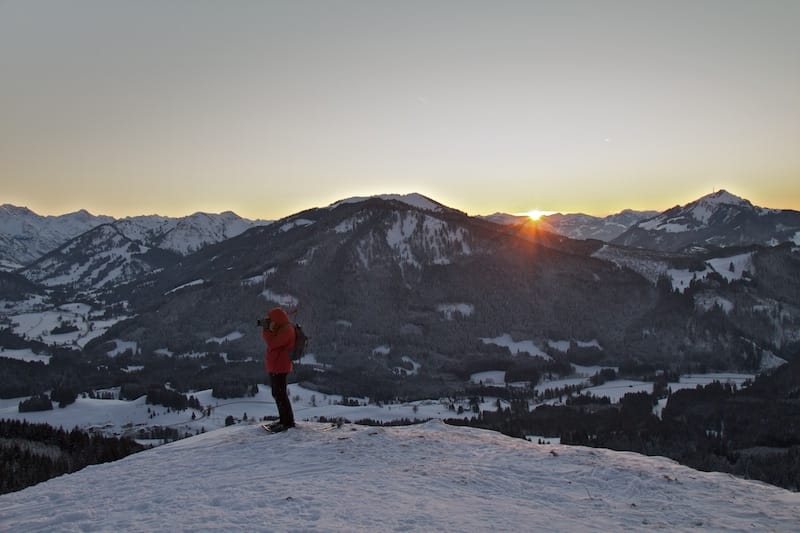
column 280, row 342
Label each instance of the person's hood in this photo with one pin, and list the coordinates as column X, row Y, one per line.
column 278, row 316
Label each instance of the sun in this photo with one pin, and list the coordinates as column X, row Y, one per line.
column 536, row 214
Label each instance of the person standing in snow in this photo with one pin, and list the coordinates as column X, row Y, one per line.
column 279, row 335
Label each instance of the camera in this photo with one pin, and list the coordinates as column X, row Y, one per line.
column 263, row 322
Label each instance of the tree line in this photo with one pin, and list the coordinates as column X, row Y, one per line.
column 752, row 432
column 32, row 453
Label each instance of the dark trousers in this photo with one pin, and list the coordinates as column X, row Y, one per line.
column 281, row 395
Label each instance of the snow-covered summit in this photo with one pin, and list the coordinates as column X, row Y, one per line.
column 430, row 477
column 26, row 236
column 413, row 199
column 719, row 219
column 703, row 209
column 723, row 197
column 186, row 234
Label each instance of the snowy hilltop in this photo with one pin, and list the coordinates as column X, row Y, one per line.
column 717, row 219
column 428, row 477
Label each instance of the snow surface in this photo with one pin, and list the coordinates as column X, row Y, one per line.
column 122, row 346
column 285, row 300
column 616, row 389
column 450, row 310
column 561, row 346
column 430, row 477
column 260, row 278
column 414, row 200
column 296, row 223
column 690, row 381
column 681, row 278
column 28, row 236
column 564, row 345
column 119, row 417
column 383, row 349
column 490, row 377
column 769, row 360
column 25, row 354
column 235, row 335
column 642, row 262
column 38, row 325
column 516, row 347
column 414, row 367
column 699, row 211
column 351, row 224
column 438, row 239
column 185, row 285
column 707, row 302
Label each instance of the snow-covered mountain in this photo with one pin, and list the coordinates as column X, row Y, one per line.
column 505, row 219
column 414, row 200
column 98, row 259
column 430, row 477
column 121, row 251
column 429, row 281
column 186, row 234
column 26, row 236
column 428, row 284
column 718, row 219
column 410, row 283
column 578, row 225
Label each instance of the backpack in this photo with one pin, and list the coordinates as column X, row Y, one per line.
column 300, row 341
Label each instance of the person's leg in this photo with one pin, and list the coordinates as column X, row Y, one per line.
column 278, row 382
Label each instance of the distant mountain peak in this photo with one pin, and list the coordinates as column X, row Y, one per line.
column 26, row 236
column 413, row 199
column 719, row 219
column 13, row 210
column 578, row 225
column 723, row 197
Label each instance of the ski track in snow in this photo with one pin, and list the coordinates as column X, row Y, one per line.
column 415, row 478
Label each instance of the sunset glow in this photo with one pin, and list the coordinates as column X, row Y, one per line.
column 536, row 214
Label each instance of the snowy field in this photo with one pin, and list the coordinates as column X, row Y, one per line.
column 28, row 320
column 25, row 354
column 517, row 347
column 429, row 477
column 614, row 389
column 618, row 388
column 731, row 268
column 120, row 417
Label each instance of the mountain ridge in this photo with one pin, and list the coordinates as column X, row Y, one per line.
column 390, row 272
column 26, row 237
column 717, row 219
column 382, row 272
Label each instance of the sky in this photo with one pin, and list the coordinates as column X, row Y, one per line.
column 267, row 108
